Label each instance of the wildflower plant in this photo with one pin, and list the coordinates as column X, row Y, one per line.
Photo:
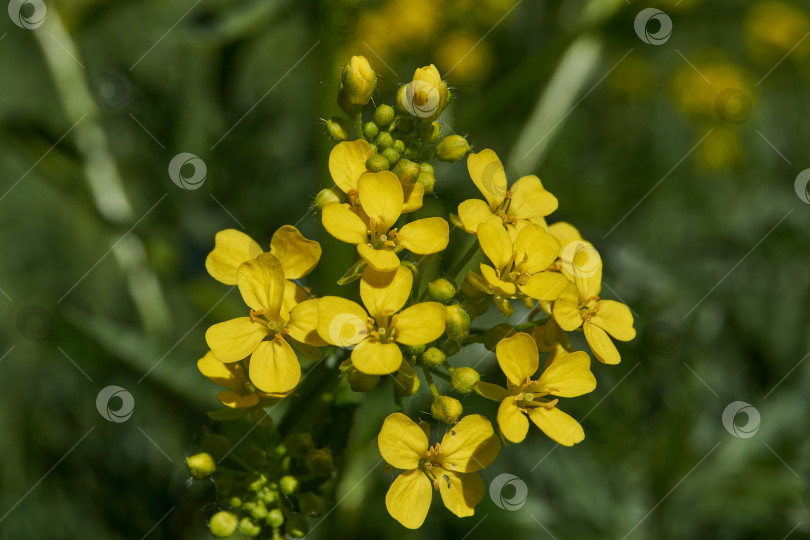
column 388, row 322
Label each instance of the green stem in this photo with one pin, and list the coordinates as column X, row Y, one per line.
column 357, row 121
column 397, row 399
column 431, row 384
column 459, row 266
column 441, row 375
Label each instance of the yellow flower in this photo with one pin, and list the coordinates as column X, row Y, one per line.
column 566, row 375
column 374, row 334
column 520, row 265
column 527, row 199
column 381, row 199
column 450, row 466
column 347, row 162
column 426, row 95
column 359, row 80
column 239, row 393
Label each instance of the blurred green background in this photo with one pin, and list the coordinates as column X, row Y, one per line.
column 676, row 155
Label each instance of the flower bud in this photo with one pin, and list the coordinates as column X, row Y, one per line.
column 259, row 511
column 377, row 163
column 458, row 322
column 370, row 130
column 427, row 167
column 288, row 484
column 201, row 466
column 427, row 180
column 338, row 129
column 407, row 171
column 384, row 140
column 324, row 197
column 503, row 304
column 433, row 358
column 345, row 105
column 297, row 526
column 452, row 148
column 223, row 524
column 256, row 484
column 384, row 115
column 248, row 528
column 413, row 350
column 441, row 290
column 319, row 462
column 391, row 155
column 399, row 145
column 275, row 518
column 359, row 80
column 497, row 333
column 406, row 382
column 446, row 409
column 361, row 382
column 268, row 495
column 311, row 504
column 298, row 444
column 435, row 132
column 464, row 379
column 235, row 502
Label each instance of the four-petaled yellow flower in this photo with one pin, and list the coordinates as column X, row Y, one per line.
column 377, row 240
column 374, row 338
column 566, row 375
column 527, row 199
column 450, row 466
column 426, row 95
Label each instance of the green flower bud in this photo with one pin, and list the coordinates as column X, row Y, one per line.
column 345, row 105
column 427, row 167
column 319, row 462
column 298, row 444
column 441, row 290
column 377, row 163
column 254, row 455
column 450, row 347
column 435, row 132
column 433, row 357
column 338, row 129
column 399, row 145
column 248, row 528
column 384, row 140
column 288, row 484
column 267, row 495
column 275, row 518
column 406, row 382
column 257, row 483
column 384, row 115
column 391, row 155
column 259, row 511
column 427, row 180
column 261, row 418
column 370, row 130
column 359, row 80
column 360, row 382
column 497, row 333
column 327, row 196
column 458, row 322
column 464, row 379
column 446, row 409
column 414, row 350
column 223, row 483
column 223, row 524
column 201, row 466
column 452, row 148
column 406, row 170
column 503, row 304
column 235, row 502
column 297, row 526
column 401, row 100
column 311, row 504
column 216, row 445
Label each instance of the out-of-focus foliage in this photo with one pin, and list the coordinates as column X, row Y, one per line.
column 684, row 153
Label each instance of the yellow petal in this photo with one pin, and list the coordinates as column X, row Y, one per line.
column 297, row 255
column 472, row 213
column 566, row 309
column 511, row 421
column 486, row 172
column 344, row 224
column 303, row 323
column 559, row 426
column 491, row 391
column 530, row 200
column 568, row 375
column 261, row 282
column 582, row 264
column 274, row 367
column 384, row 293
column 425, row 236
column 470, row 445
column 535, row 249
column 601, row 345
column 347, row 161
column 374, row 358
column 616, row 319
column 382, row 260
column 505, row 288
column 402, row 442
column 222, row 374
column 420, row 324
column 565, row 233
column 413, row 193
column 495, row 242
column 460, row 492
column 381, row 197
column 310, row 351
column 293, row 295
column 231, row 248
column 234, row 340
column 518, row 357
column 341, row 322
column 237, row 401
column 545, row 286
column 408, row 498
column 428, row 74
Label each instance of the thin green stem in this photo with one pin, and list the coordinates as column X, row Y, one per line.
column 459, row 266
column 357, row 121
column 431, row 384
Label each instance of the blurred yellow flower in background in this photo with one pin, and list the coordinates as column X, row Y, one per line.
column 773, row 28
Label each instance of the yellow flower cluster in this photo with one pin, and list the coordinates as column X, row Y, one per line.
column 398, row 325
